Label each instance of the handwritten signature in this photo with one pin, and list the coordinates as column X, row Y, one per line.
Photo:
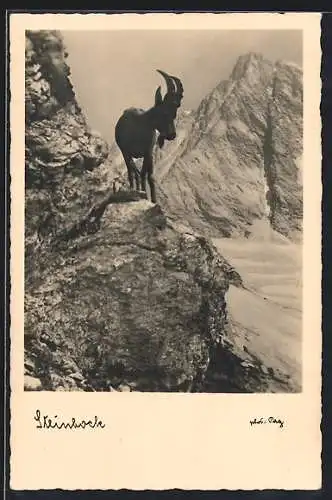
column 46, row 422
column 268, row 420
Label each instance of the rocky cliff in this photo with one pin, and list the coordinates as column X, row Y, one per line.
column 238, row 157
column 60, row 148
column 118, row 296
column 103, row 270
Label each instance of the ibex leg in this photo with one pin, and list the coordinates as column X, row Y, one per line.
column 149, row 168
column 137, row 179
column 131, row 169
column 143, row 175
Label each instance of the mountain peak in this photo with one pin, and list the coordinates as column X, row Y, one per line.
column 251, row 61
column 238, row 162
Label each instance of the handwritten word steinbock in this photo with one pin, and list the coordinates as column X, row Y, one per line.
column 46, row 422
column 268, row 420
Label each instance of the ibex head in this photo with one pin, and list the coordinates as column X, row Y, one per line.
column 167, row 107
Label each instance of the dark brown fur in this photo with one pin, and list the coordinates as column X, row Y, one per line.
column 135, row 133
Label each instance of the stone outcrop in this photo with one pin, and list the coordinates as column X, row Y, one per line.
column 61, row 152
column 138, row 303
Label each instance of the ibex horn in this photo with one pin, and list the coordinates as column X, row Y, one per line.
column 179, row 87
column 158, row 96
column 169, row 82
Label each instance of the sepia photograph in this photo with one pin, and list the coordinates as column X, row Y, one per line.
column 165, row 307
column 163, row 211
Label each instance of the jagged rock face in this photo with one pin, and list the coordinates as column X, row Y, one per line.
column 238, row 160
column 61, row 152
column 138, row 304
column 284, row 151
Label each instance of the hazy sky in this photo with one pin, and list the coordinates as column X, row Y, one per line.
column 113, row 70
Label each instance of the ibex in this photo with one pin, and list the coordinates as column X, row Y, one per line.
column 135, row 132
